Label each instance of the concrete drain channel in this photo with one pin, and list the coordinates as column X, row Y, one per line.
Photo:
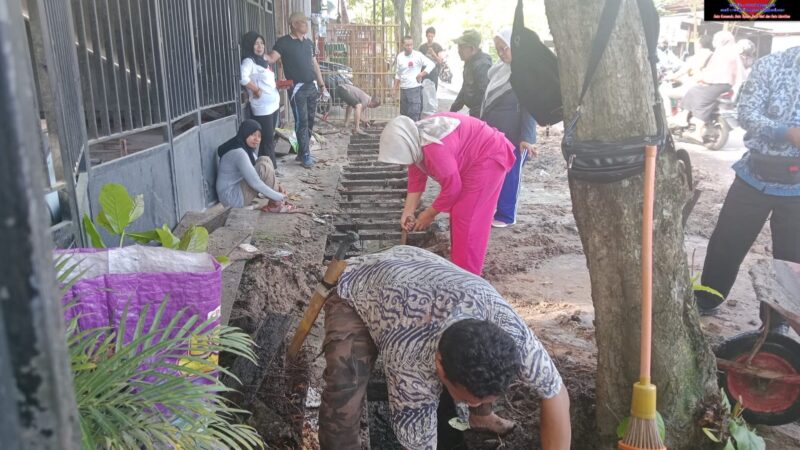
column 371, row 196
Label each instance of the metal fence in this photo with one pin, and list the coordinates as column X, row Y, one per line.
column 147, row 63
column 119, row 77
column 120, row 65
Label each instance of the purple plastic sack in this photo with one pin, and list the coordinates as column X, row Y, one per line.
column 137, row 276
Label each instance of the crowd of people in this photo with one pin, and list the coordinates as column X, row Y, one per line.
column 446, row 336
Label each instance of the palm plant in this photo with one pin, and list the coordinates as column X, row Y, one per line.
column 158, row 388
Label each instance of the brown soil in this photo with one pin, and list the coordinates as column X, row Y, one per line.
column 537, row 264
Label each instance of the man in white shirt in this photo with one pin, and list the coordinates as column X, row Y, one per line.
column 412, row 67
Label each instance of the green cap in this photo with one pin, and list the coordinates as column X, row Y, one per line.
column 470, row 37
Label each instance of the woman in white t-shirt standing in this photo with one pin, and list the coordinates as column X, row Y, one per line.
column 259, row 81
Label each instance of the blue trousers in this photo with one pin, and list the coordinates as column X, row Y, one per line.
column 304, row 107
column 509, row 194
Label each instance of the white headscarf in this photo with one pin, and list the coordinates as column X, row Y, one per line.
column 402, row 139
column 499, row 75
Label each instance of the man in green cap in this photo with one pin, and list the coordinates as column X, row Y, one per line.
column 476, row 73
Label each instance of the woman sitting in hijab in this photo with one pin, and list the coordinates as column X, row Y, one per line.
column 241, row 177
column 259, row 81
column 469, row 159
column 502, row 110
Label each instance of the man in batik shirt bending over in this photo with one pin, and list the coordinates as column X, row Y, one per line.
column 436, row 326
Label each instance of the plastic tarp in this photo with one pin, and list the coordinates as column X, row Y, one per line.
column 139, row 276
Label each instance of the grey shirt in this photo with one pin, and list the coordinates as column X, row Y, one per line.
column 234, row 167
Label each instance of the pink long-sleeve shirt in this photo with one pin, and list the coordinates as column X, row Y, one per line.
column 465, row 149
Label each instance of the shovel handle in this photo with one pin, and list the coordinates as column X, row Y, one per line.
column 335, row 269
column 329, row 280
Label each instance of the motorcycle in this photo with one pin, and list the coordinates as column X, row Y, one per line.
column 718, row 130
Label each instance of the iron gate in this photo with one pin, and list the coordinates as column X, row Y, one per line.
column 121, row 77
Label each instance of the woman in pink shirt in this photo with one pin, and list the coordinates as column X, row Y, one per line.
column 469, row 159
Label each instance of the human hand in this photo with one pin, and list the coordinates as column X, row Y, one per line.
column 529, row 147
column 425, row 219
column 407, row 220
column 421, row 76
column 257, row 93
column 793, row 136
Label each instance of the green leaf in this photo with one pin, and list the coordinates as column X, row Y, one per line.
column 712, row 291
column 102, row 220
column 662, row 428
column 194, row 240
column 143, row 237
column 138, row 208
column 710, row 433
column 91, row 231
column 622, row 428
column 459, row 424
column 166, row 237
column 729, row 445
column 117, row 205
column 134, row 394
column 725, row 402
column 746, row 439
column 223, row 259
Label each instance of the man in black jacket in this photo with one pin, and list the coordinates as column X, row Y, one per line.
column 476, row 73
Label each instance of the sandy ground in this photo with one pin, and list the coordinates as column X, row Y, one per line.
column 537, row 264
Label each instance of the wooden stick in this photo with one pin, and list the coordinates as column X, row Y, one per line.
column 647, row 261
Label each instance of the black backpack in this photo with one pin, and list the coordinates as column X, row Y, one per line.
column 534, row 74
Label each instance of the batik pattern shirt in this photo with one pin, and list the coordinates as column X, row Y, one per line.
column 407, row 297
column 768, row 106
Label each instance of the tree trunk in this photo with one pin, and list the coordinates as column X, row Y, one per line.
column 619, row 105
column 416, row 22
column 400, row 19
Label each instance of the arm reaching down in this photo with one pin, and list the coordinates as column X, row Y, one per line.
column 247, row 68
column 555, row 428
column 251, row 177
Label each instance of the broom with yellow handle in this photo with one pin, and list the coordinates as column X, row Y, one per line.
column 642, row 432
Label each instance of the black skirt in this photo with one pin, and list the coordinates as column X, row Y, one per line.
column 701, row 100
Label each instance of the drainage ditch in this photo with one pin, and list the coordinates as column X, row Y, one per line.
column 371, row 197
column 370, row 200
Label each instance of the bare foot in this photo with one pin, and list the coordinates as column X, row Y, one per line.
column 492, row 422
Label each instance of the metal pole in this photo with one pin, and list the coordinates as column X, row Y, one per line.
column 36, row 395
column 160, row 25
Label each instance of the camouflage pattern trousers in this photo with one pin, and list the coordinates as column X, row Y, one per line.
column 349, row 356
